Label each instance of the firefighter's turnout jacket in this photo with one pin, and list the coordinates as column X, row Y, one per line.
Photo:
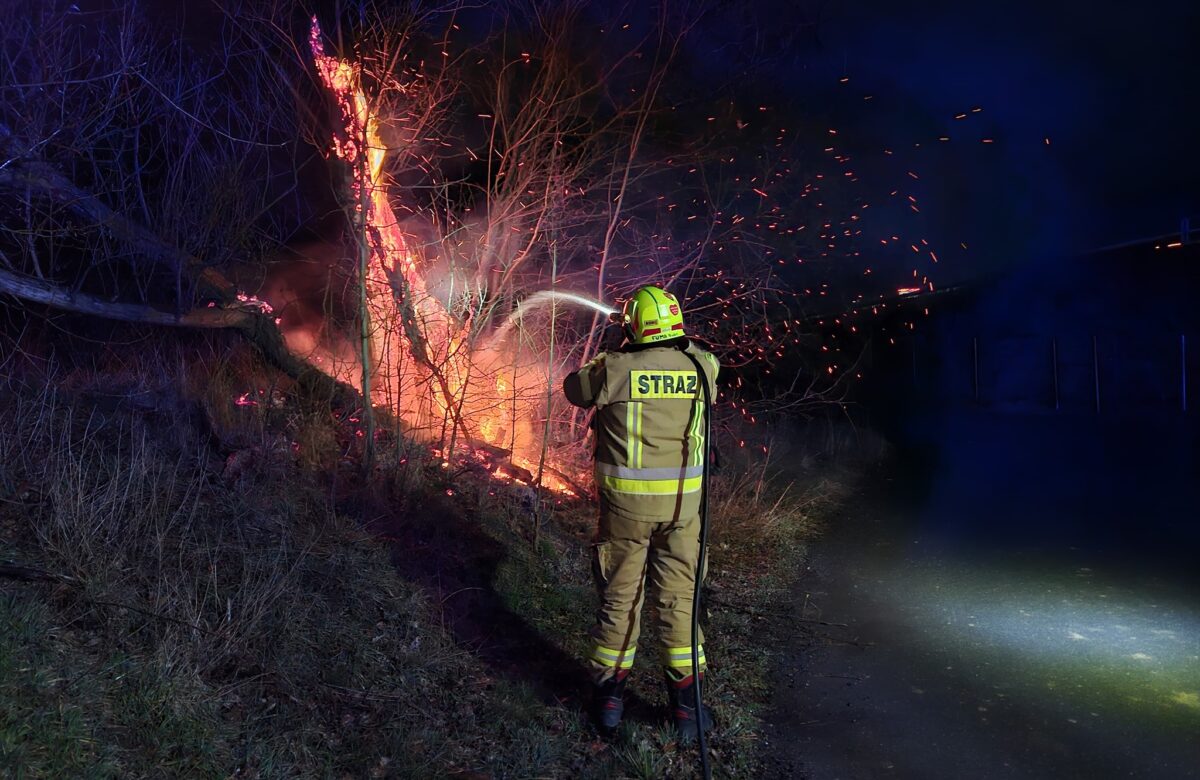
column 649, row 465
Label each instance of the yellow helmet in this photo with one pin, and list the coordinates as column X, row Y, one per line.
column 652, row 314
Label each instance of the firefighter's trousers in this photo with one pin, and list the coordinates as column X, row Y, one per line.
column 629, row 558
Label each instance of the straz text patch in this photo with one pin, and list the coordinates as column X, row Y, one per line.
column 662, row 384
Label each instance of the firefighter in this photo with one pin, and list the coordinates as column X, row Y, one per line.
column 649, row 464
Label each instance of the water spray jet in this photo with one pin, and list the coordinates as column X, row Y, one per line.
column 539, row 299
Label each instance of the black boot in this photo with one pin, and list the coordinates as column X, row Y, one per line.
column 608, row 705
column 682, row 695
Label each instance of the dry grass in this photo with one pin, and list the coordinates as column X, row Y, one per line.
column 211, row 608
column 194, row 622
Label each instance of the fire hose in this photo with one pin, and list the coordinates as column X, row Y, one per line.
column 705, row 769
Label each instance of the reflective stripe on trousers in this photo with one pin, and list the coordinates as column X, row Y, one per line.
column 615, row 659
column 681, row 657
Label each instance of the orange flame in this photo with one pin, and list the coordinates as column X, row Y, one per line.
column 424, row 367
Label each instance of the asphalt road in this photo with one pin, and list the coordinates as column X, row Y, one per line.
column 958, row 663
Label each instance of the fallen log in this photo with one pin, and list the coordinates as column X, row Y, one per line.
column 32, row 176
column 41, row 291
column 259, row 329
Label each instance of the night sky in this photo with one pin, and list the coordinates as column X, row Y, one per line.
column 1110, row 84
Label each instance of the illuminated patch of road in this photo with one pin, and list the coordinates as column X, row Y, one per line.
column 1078, row 642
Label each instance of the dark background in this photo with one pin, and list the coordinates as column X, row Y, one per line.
column 1112, row 87
column 994, row 453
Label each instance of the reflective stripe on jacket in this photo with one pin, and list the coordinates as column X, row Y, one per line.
column 649, row 428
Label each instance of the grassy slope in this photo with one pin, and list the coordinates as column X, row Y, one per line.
column 207, row 620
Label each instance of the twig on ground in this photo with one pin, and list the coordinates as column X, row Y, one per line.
column 32, row 574
column 155, row 615
column 28, row 573
column 361, row 694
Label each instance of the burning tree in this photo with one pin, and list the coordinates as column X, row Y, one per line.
column 559, row 158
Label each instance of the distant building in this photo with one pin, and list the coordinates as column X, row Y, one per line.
column 1061, row 399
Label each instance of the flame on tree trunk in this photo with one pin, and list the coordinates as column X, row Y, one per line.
column 424, row 363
